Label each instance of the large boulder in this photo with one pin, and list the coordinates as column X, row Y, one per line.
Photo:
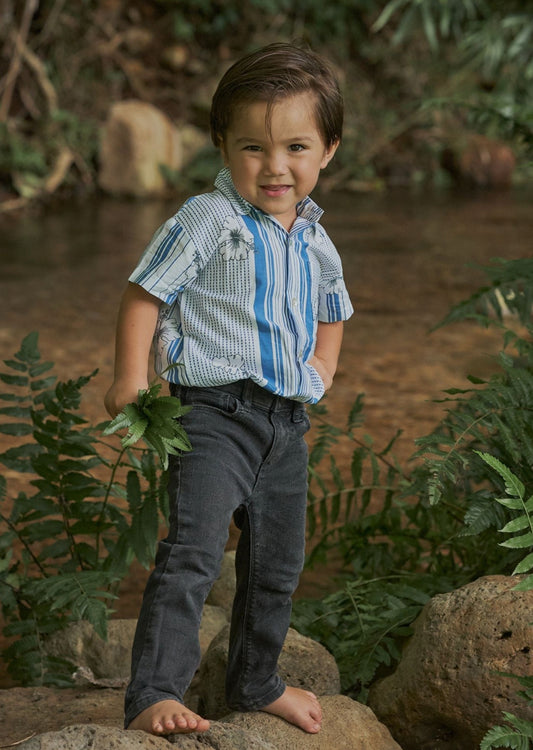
column 453, row 683
column 137, row 140
column 303, row 663
column 347, row 725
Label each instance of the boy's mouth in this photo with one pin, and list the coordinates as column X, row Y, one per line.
column 274, row 191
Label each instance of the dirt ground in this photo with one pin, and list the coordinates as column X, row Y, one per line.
column 406, row 262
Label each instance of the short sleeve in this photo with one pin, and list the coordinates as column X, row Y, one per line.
column 334, row 301
column 169, row 263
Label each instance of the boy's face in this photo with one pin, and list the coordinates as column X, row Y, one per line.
column 275, row 170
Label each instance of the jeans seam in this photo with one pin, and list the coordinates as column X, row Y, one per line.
column 250, row 596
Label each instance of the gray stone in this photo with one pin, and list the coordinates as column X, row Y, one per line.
column 227, row 737
column 81, row 645
column 448, row 689
column 347, row 725
column 303, row 663
column 111, row 659
column 95, row 737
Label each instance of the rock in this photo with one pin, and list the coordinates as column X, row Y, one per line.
column 94, row 737
column 479, row 161
column 223, row 590
column 137, row 140
column 80, row 644
column 347, row 725
column 227, row 737
column 448, row 689
column 303, row 663
column 37, row 710
column 111, row 659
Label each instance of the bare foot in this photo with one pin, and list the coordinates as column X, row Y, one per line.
column 299, row 707
column 168, row 717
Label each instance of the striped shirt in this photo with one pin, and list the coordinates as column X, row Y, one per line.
column 240, row 296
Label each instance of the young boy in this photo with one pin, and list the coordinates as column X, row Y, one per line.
column 244, row 291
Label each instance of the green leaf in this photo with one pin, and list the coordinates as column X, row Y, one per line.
column 517, row 524
column 16, row 380
column 133, row 489
column 524, row 565
column 39, row 369
column 525, row 585
column 519, row 542
column 513, row 486
column 135, row 433
column 16, row 429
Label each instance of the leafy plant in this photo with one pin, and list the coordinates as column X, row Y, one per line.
column 492, row 40
column 88, row 510
column 518, row 732
column 365, row 623
column 438, row 520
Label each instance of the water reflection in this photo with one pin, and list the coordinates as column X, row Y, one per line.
column 398, row 247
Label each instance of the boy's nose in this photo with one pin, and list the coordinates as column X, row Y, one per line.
column 275, row 164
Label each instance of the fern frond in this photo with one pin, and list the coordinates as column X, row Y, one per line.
column 518, row 736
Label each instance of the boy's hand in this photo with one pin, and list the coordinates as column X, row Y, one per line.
column 327, row 348
column 325, row 375
column 121, row 394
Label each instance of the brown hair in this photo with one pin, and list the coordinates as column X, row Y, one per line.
column 273, row 73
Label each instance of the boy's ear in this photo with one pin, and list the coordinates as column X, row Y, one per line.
column 329, row 153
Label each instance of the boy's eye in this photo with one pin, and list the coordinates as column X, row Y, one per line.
column 252, row 147
column 296, row 147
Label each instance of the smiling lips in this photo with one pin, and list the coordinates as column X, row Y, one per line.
column 274, row 191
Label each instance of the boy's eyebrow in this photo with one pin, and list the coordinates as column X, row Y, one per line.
column 291, row 139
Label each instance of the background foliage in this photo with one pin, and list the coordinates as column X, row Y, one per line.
column 417, row 76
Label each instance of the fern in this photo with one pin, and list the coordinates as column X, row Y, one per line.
column 440, row 521
column 70, row 538
column 517, row 734
column 364, row 624
column 155, row 419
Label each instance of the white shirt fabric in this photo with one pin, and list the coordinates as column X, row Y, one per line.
column 240, row 296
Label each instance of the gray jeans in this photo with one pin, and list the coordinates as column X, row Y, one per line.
column 249, row 461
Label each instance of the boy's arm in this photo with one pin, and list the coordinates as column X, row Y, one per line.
column 327, row 350
column 137, row 319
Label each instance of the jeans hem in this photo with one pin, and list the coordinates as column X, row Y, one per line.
column 259, row 704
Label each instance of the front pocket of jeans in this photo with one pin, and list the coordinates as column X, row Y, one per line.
column 226, row 403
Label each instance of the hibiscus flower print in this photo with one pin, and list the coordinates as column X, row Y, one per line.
column 235, row 241
column 233, row 362
column 335, row 286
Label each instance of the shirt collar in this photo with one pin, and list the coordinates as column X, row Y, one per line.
column 307, row 209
